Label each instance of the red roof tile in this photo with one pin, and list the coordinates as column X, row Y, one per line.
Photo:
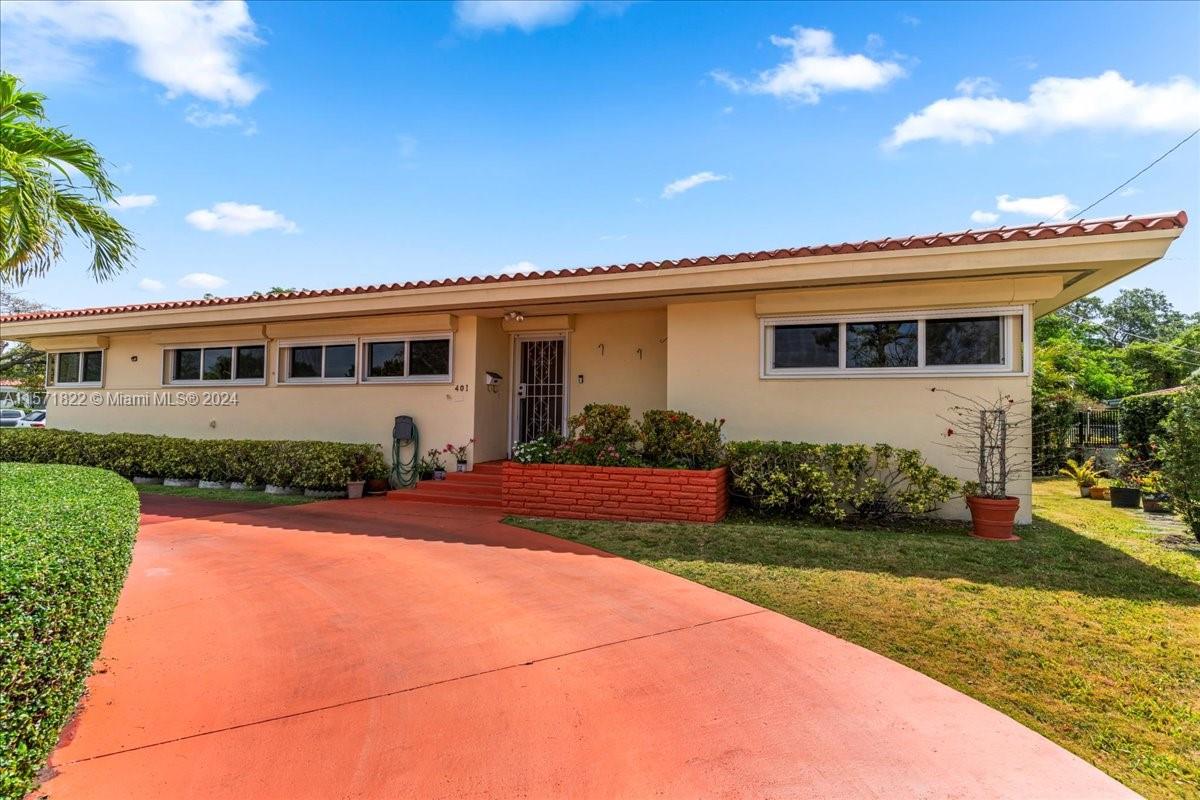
column 1057, row 230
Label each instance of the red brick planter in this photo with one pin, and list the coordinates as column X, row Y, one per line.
column 624, row 493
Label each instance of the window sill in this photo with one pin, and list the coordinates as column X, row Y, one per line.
column 422, row 379
column 899, row 372
column 194, row 384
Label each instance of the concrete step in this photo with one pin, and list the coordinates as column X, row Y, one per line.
column 480, row 485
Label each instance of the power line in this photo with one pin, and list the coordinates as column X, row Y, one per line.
column 1079, row 318
column 1139, row 174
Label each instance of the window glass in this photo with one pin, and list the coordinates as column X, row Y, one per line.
column 386, row 359
column 187, row 365
column 805, row 346
column 881, row 344
column 429, row 357
column 67, row 368
column 218, row 363
column 971, row 340
column 91, row 365
column 339, row 361
column 305, row 362
column 251, row 362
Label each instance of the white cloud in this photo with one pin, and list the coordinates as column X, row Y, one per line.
column 1107, row 101
column 127, row 201
column 187, row 47
column 151, row 285
column 977, row 87
column 984, row 217
column 202, row 280
column 1052, row 206
column 815, row 68
column 675, row 188
column 206, row 118
column 240, row 219
column 520, row 268
column 526, row 15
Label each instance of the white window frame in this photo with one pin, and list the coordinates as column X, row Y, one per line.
column 285, row 360
column 168, row 361
column 365, row 360
column 52, row 374
column 1008, row 353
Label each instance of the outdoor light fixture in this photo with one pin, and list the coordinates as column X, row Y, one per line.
column 514, row 316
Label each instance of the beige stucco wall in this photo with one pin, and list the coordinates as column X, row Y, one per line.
column 443, row 412
column 618, row 373
column 491, row 407
column 713, row 371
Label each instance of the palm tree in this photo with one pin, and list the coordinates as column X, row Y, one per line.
column 51, row 182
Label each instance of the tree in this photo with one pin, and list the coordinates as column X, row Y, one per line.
column 1179, row 450
column 1142, row 315
column 51, row 182
column 19, row 361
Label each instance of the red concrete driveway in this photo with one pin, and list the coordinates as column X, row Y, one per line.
column 369, row 650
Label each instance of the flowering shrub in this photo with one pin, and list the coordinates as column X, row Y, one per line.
column 676, row 439
column 604, row 435
column 836, row 482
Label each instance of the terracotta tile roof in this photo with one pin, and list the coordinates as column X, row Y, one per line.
column 1058, row 230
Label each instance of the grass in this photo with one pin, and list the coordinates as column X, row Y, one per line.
column 66, row 537
column 1087, row 631
column 228, row 495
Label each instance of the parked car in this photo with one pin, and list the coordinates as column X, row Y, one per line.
column 9, row 417
column 34, row 419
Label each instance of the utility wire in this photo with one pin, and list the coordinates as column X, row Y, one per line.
column 1139, row 174
column 1124, row 332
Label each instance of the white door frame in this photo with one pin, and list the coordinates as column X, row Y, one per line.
column 514, row 405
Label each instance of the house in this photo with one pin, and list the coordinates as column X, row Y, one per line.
column 833, row 343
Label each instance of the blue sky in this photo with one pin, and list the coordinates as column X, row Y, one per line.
column 318, row 145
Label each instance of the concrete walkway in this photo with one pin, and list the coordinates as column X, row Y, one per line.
column 365, row 649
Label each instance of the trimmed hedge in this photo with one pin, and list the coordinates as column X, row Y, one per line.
column 303, row 464
column 66, row 534
column 836, row 482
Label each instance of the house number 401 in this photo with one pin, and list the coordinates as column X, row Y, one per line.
column 462, row 387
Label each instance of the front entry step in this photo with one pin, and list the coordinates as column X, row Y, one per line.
column 479, row 488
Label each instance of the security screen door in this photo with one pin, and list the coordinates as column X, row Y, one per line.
column 541, row 390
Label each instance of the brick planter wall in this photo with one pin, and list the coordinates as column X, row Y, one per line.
column 622, row 493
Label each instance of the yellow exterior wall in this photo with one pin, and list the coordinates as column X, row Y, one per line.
column 443, row 412
column 713, row 372
column 617, row 373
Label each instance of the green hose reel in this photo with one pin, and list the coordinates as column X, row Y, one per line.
column 405, row 464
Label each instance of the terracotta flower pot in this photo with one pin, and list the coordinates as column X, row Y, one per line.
column 377, row 486
column 1099, row 493
column 994, row 518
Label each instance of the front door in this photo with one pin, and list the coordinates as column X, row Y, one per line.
column 541, row 387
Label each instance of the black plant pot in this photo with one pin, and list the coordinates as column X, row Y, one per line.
column 1125, row 498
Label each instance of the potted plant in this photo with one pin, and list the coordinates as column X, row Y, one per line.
column 433, row 460
column 983, row 434
column 1101, row 491
column 1155, row 499
column 460, row 454
column 377, row 473
column 1125, row 493
column 1085, row 475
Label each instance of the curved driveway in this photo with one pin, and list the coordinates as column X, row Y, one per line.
column 370, row 649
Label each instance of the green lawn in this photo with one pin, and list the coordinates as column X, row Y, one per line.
column 228, row 494
column 1086, row 631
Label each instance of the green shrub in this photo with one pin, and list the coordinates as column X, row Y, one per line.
column 1178, row 447
column 604, row 424
column 66, row 534
column 311, row 465
column 677, row 440
column 1142, row 419
column 835, row 482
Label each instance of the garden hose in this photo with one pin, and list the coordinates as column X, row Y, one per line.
column 404, row 470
